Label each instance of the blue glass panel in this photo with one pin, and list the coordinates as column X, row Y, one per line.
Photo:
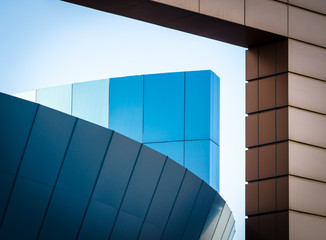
column 16, row 120
column 215, row 108
column 98, row 221
column 197, row 158
column 26, row 210
column 143, row 182
column 90, row 101
column 214, row 176
column 126, row 106
column 150, row 231
column 164, row 107
column 64, row 216
column 174, row 150
column 84, row 157
column 47, row 145
column 58, row 98
column 6, row 181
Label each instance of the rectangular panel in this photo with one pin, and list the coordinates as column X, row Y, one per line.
column 230, row 10
column 307, row 59
column 197, row 158
column 127, row 226
column 252, row 228
column 6, row 181
column 26, row 210
column 307, row 195
column 64, row 216
column 251, row 164
column 252, row 130
column 267, row 93
column 267, row 127
column 228, row 228
column 164, row 107
column 252, row 63
column 98, row 221
column 252, row 198
column 174, row 150
column 307, row 127
column 200, row 105
column 58, row 98
column 267, row 195
column 84, row 157
column 267, row 59
column 267, row 226
column 15, row 124
column 305, row 226
column 165, row 194
column 116, row 170
column 90, row 101
column 267, row 161
column 315, row 168
column 267, row 15
column 47, row 145
column 214, row 167
column 126, row 106
column 252, row 96
column 199, row 212
column 307, row 26
column 182, row 208
column 213, row 217
column 307, row 93
column 314, row 5
column 192, row 5
column 222, row 223
column 143, row 182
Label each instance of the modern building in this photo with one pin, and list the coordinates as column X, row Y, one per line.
column 286, row 89
column 176, row 114
column 66, row 178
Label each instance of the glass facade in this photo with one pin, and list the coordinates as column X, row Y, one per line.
column 176, row 114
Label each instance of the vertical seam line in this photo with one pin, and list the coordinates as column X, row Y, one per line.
column 184, row 119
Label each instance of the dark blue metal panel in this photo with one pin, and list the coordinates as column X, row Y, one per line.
column 166, row 193
column 150, row 231
column 6, row 182
column 143, row 182
column 84, row 157
column 26, row 210
column 98, row 221
column 116, row 170
column 199, row 212
column 64, row 216
column 16, row 120
column 183, row 206
column 46, row 146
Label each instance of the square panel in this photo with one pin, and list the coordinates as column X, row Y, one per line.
column 267, row 195
column 126, row 106
column 164, row 107
column 174, row 150
column 267, row 161
column 90, row 101
column 267, row 127
column 47, row 145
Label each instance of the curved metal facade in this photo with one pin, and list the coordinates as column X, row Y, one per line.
column 65, row 178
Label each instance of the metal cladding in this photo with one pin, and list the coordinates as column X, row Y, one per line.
column 65, row 178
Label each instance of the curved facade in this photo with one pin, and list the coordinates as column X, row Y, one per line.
column 66, row 178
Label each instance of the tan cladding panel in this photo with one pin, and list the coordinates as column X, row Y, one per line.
column 307, row 59
column 307, row 196
column 305, row 226
column 307, row 161
column 267, row 15
column 307, row 93
column 307, row 127
column 192, row 5
column 307, row 26
column 314, row 5
column 230, row 10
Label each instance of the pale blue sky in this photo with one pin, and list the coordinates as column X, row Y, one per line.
column 48, row 43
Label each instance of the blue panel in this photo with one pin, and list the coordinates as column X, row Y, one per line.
column 182, row 207
column 174, row 150
column 126, row 106
column 116, row 170
column 143, row 182
column 215, row 108
column 6, row 181
column 64, row 216
column 150, row 231
column 26, row 210
column 16, row 119
column 58, row 98
column 126, row 227
column 166, row 193
column 84, row 157
column 164, row 107
column 47, row 145
column 199, row 212
column 90, row 101
column 213, row 217
column 98, row 222
column 197, row 158
column 214, row 181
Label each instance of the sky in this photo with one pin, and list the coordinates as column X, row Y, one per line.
column 48, row 43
